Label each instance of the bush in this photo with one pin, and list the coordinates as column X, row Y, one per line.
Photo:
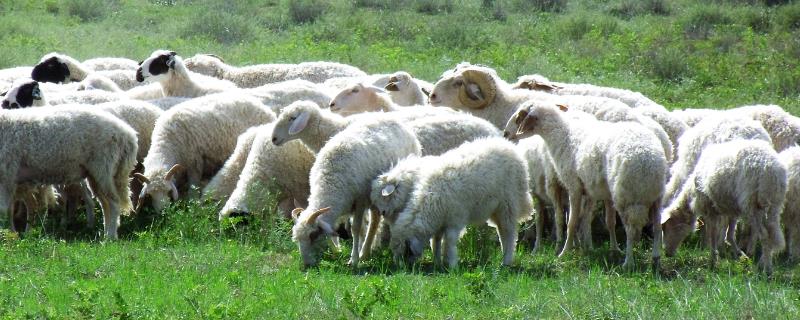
column 222, row 27
column 379, row 4
column 702, row 21
column 541, row 5
column 576, row 26
column 790, row 17
column 667, row 63
column 306, row 11
column 630, row 8
column 90, row 10
column 756, row 18
column 433, row 6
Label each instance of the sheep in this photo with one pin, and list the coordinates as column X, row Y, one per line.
column 261, row 74
column 340, row 182
column 10, row 75
column 692, row 116
column 540, row 83
column 289, row 165
column 671, row 124
column 59, row 68
column 622, row 164
column 619, row 114
column 707, row 132
column 91, row 145
column 403, row 89
column 98, row 82
column 280, row 94
column 109, row 63
column 480, row 91
column 167, row 103
column 482, row 180
column 437, row 130
column 224, row 181
column 791, row 211
column 193, row 140
column 738, row 178
column 167, row 68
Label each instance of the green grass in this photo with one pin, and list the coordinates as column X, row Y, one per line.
column 185, row 264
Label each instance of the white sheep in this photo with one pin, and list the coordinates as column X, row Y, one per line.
column 59, row 68
column 692, row 116
column 224, row 181
column 403, row 89
column 9, row 75
column 791, row 211
column 287, row 166
column 620, row 114
column 540, row 83
column 673, row 126
column 257, row 75
column 197, row 137
column 738, row 178
column 91, row 144
column 167, row 68
column 98, row 82
column 280, row 94
column 481, row 180
column 340, row 182
column 110, row 63
column 622, row 164
column 438, row 130
column 707, row 132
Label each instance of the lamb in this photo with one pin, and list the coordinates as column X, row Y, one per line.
column 91, row 145
column 289, row 166
column 540, row 83
column 437, row 130
column 340, row 182
column 59, row 68
column 695, row 140
column 738, row 178
column 258, row 75
column 192, row 140
column 403, row 89
column 790, row 158
column 622, row 164
column 167, row 68
column 481, row 180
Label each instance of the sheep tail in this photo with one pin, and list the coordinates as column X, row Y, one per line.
column 125, row 165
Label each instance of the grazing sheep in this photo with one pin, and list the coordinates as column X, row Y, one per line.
column 620, row 114
column 481, row 180
column 622, row 164
column 673, row 126
column 340, row 182
column 59, row 68
column 167, row 68
column 540, row 83
column 288, row 166
column 437, row 130
column 10, row 75
column 738, row 178
column 791, row 211
column 261, row 74
column 222, row 184
column 707, row 132
column 195, row 138
column 91, row 145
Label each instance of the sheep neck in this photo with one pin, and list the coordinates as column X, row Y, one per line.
column 326, row 127
column 77, row 71
column 180, row 83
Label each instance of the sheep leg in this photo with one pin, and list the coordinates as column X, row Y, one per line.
column 374, row 223
column 792, row 242
column 436, row 247
column 358, row 222
column 572, row 223
column 110, row 217
column 560, row 215
column 507, row 232
column 611, row 225
column 88, row 203
column 731, row 239
column 658, row 236
column 713, row 228
column 539, row 225
column 451, row 251
column 773, row 239
column 586, row 224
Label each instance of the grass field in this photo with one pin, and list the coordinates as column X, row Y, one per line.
column 184, row 264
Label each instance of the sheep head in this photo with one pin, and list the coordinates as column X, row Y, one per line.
column 206, row 64
column 158, row 192
column 51, row 68
column 530, row 118
column 357, row 98
column 391, row 190
column 23, row 94
column 293, row 120
column 406, row 251
column 471, row 88
column 157, row 66
column 398, row 81
column 309, row 233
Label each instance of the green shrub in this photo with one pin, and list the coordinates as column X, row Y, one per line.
column 701, row 22
column 789, row 17
column 541, row 5
column 667, row 63
column 91, row 10
column 222, row 27
column 379, row 4
column 306, row 11
column 630, row 8
column 577, row 25
column 755, row 18
column 433, row 6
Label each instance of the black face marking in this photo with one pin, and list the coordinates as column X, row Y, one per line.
column 139, row 76
column 50, row 70
column 159, row 65
column 25, row 95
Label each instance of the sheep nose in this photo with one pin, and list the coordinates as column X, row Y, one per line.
column 506, row 134
column 332, row 104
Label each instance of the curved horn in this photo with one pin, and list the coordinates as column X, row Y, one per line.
column 484, row 83
column 313, row 217
column 141, row 178
column 174, row 170
column 215, row 56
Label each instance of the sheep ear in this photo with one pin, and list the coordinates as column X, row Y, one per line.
column 3, row 94
column 173, row 191
column 474, row 92
column 563, row 107
column 528, row 123
column 37, row 93
column 296, row 213
column 426, row 92
column 392, row 86
column 299, row 123
column 141, row 178
column 327, row 228
column 521, row 115
column 388, row 190
column 139, row 201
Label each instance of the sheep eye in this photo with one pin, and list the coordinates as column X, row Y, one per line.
column 458, row 83
column 292, row 118
column 355, row 90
